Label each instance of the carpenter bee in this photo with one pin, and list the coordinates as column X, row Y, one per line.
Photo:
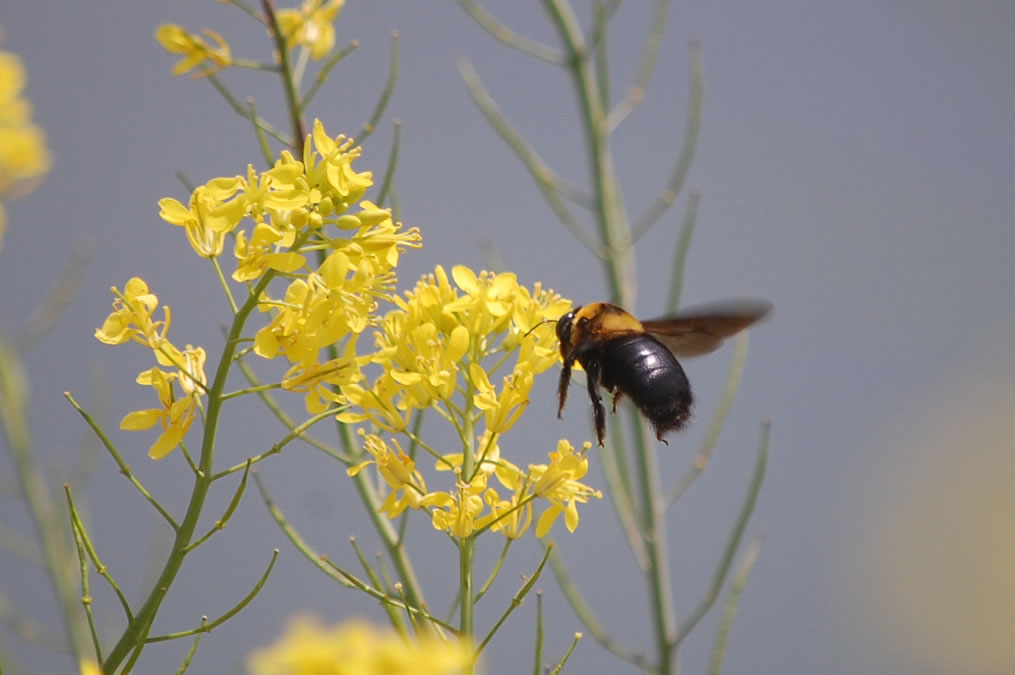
column 637, row 359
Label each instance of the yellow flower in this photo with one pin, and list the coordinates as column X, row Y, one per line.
column 485, row 308
column 312, row 25
column 356, row 648
column 24, row 157
column 312, row 316
column 501, row 411
column 89, row 667
column 399, row 472
column 383, row 404
column 207, row 235
column 559, row 484
column 506, row 515
column 330, row 171
column 258, row 255
column 487, row 457
column 131, row 319
column 319, row 380
column 175, row 416
column 175, row 40
column 456, row 512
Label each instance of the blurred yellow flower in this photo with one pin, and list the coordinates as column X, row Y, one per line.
column 312, row 25
column 196, row 52
column 89, row 667
column 356, row 648
column 24, row 157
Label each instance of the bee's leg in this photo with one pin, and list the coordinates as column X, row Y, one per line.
column 593, row 376
column 617, row 395
column 562, row 385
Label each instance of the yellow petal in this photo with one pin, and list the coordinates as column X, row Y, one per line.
column 140, row 420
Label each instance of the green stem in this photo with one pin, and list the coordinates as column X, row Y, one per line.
column 45, row 517
column 653, row 527
column 137, row 630
column 466, row 545
column 292, row 96
column 614, row 228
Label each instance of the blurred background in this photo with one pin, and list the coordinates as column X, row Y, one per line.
column 856, row 166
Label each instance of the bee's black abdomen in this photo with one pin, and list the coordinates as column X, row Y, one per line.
column 643, row 369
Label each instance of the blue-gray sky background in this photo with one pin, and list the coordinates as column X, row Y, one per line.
column 857, row 166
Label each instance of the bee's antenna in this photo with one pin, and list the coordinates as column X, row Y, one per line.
column 537, row 326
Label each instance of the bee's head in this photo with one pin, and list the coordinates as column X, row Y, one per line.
column 565, row 327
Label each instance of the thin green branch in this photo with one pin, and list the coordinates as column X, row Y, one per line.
column 649, row 58
column 653, row 528
column 221, row 523
column 598, row 32
column 618, row 481
column 389, row 170
column 206, row 626
column 505, row 35
column 585, row 614
column 191, row 652
column 86, row 589
column 325, row 70
column 289, row 85
column 285, row 419
column 38, row 496
column 732, row 603
column 81, row 535
column 545, row 178
column 729, row 392
column 46, row 314
column 385, row 97
column 517, row 600
column 242, row 110
column 692, row 132
column 599, row 47
column 336, row 573
column 394, row 615
column 733, row 543
column 496, row 570
column 679, row 265
column 262, row 143
column 537, row 663
column 123, row 466
column 611, row 216
column 563, row 660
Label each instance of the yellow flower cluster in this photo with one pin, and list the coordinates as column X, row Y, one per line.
column 24, row 157
column 296, row 207
column 133, row 319
column 357, row 648
column 467, row 346
column 438, row 350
